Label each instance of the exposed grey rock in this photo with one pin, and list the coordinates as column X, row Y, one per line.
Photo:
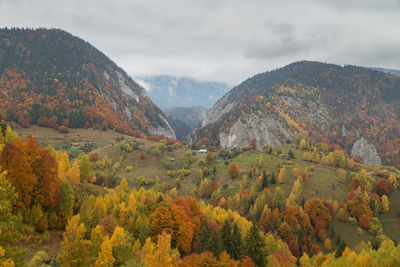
column 128, row 113
column 292, row 101
column 158, row 130
column 113, row 104
column 263, row 130
column 220, row 108
column 125, row 88
column 132, row 93
column 106, row 75
column 167, row 131
column 366, row 152
column 344, row 131
column 277, row 127
column 319, row 116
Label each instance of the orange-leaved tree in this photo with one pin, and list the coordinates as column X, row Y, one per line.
column 233, row 170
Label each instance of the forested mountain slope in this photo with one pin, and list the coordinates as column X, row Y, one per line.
column 52, row 77
column 357, row 108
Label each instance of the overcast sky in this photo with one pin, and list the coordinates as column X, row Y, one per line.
column 221, row 40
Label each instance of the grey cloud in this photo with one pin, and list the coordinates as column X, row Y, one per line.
column 372, row 6
column 280, row 39
column 275, row 50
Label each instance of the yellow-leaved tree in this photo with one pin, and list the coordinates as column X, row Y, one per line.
column 85, row 169
column 282, row 174
column 146, row 254
column 10, row 135
column 303, row 144
column 385, row 203
column 315, row 155
column 74, row 247
column 121, row 246
column 296, row 171
column 74, row 173
column 260, row 161
column 105, row 258
column 328, row 244
column 393, row 180
column 7, row 262
column 164, row 255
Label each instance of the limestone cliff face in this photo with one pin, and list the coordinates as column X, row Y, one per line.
column 132, row 92
column 265, row 131
column 366, row 152
column 222, row 107
column 165, row 130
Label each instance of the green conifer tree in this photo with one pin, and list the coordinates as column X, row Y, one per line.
column 204, row 238
column 254, row 245
column 273, row 180
column 340, row 249
column 226, row 236
column 145, row 232
column 264, row 180
column 216, row 244
column 237, row 244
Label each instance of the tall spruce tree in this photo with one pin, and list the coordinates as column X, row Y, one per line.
column 264, row 180
column 273, row 180
column 204, row 244
column 226, row 236
column 340, row 249
column 255, row 246
column 215, row 243
column 145, row 232
column 237, row 246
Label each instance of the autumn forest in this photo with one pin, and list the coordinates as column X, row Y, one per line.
column 92, row 173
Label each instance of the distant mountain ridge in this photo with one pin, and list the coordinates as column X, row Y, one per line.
column 185, row 119
column 390, row 71
column 168, row 91
column 192, row 116
column 182, row 130
column 357, row 108
column 52, row 74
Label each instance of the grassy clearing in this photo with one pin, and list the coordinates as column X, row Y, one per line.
column 322, row 183
column 49, row 136
column 351, row 233
column 321, row 180
column 158, row 166
column 52, row 246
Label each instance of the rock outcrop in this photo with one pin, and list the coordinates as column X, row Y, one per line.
column 265, row 131
column 222, row 107
column 366, row 152
column 167, row 130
